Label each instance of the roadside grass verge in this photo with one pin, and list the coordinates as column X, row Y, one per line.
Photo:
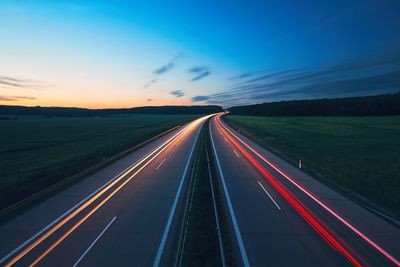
column 361, row 154
column 36, row 153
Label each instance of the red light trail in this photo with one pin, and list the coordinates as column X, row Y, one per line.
column 323, row 230
column 312, row 196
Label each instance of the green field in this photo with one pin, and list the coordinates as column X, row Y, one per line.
column 37, row 152
column 359, row 153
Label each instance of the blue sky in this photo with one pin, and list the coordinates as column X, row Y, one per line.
column 132, row 53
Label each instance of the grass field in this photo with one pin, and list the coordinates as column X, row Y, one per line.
column 37, row 152
column 359, row 153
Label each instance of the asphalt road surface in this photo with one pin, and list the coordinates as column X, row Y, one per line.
column 127, row 214
column 282, row 217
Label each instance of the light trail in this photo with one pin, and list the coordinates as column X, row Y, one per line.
column 64, row 236
column 323, row 230
column 161, row 247
column 236, row 229
column 157, row 151
column 314, row 198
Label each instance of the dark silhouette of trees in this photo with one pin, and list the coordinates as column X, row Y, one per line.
column 83, row 112
column 379, row 105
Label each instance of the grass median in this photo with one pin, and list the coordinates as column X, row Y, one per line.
column 361, row 154
column 200, row 240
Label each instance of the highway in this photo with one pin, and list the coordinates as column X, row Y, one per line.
column 130, row 212
column 280, row 216
column 127, row 214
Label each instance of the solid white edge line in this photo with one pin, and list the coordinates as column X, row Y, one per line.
column 220, row 243
column 162, row 148
column 266, row 192
column 230, row 208
column 234, row 151
column 94, row 242
column 161, row 247
column 159, row 150
column 62, row 216
column 332, row 212
column 159, row 165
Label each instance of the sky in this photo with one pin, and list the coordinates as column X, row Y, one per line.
column 103, row 54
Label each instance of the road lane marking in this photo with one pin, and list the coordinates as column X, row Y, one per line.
column 239, row 239
column 128, row 169
column 87, row 201
column 316, row 199
column 65, row 214
column 234, row 151
column 54, row 245
column 266, row 192
column 187, row 211
column 325, row 232
column 220, row 243
column 94, row 242
column 161, row 246
column 159, row 165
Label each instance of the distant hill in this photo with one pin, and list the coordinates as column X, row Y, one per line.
column 379, row 105
column 83, row 112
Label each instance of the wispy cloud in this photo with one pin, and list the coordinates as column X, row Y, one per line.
column 200, row 98
column 200, row 76
column 177, row 93
column 341, row 80
column 163, row 69
column 198, row 69
column 200, row 72
column 243, row 76
column 169, row 66
column 151, row 82
column 16, row 82
column 15, row 98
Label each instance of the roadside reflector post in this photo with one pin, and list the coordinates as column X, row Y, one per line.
column 299, row 163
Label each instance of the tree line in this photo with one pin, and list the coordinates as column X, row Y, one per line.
column 379, row 105
column 84, row 112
